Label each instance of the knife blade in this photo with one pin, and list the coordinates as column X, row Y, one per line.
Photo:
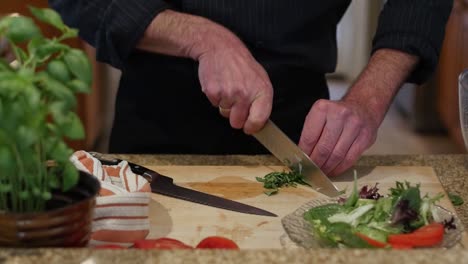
column 165, row 185
column 284, row 149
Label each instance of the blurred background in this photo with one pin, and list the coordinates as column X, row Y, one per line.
column 422, row 120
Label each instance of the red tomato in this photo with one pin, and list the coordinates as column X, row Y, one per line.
column 217, row 242
column 160, row 243
column 109, row 246
column 425, row 236
column 371, row 241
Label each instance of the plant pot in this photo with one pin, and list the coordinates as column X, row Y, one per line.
column 66, row 222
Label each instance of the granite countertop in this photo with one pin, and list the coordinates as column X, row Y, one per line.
column 451, row 169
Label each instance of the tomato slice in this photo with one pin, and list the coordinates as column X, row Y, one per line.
column 425, row 236
column 160, row 243
column 372, row 242
column 217, row 242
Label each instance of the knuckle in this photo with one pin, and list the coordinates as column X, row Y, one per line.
column 323, row 151
column 356, row 122
column 309, row 140
column 211, row 92
column 321, row 105
column 342, row 112
column 337, row 156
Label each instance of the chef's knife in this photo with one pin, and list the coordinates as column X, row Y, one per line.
column 293, row 157
column 165, row 185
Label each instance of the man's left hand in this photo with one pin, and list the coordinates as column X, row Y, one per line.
column 336, row 133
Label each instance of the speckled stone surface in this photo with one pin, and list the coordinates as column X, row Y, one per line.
column 451, row 169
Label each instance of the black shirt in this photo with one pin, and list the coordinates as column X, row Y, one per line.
column 160, row 107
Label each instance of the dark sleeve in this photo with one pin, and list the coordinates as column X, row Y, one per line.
column 416, row 27
column 113, row 27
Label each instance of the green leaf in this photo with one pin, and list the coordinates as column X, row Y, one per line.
column 49, row 48
column 70, row 176
column 48, row 16
column 5, row 188
column 58, row 70
column 24, row 195
column 354, row 197
column 69, row 33
column 455, row 199
column 79, row 65
column 21, row 28
column 36, row 192
column 79, row 86
column 56, row 89
column 5, row 23
column 46, row 196
column 73, row 128
column 271, row 192
column 26, row 136
column 323, row 212
column 60, row 152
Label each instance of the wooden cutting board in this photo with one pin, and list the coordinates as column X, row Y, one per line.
column 191, row 222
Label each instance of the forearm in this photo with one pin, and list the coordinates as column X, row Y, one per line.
column 183, row 35
column 380, row 81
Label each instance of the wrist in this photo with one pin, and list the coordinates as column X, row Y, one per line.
column 210, row 37
column 378, row 84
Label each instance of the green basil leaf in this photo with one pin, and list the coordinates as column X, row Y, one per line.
column 70, row 176
column 79, row 65
column 24, row 195
column 5, row 23
column 21, row 28
column 5, row 188
column 79, row 86
column 46, row 196
column 48, row 16
column 59, row 71
column 73, row 129
column 69, row 33
column 60, row 153
column 50, row 47
column 56, row 89
column 26, row 137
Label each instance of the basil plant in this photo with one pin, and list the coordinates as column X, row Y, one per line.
column 37, row 103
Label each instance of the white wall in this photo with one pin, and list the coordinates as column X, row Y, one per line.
column 354, row 35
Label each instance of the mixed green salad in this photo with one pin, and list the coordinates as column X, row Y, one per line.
column 366, row 219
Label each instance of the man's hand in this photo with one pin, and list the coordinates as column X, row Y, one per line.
column 232, row 79
column 336, row 133
column 229, row 75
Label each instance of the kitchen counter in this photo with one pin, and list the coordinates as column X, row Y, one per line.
column 452, row 171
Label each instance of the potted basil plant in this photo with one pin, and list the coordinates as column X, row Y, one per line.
column 44, row 199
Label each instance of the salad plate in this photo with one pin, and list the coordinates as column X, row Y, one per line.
column 299, row 231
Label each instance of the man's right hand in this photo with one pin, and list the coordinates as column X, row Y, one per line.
column 229, row 75
column 236, row 83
